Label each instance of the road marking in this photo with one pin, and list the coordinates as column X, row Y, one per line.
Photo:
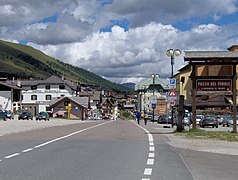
column 27, row 150
column 2, row 134
column 57, row 139
column 152, row 148
column 66, row 136
column 151, row 155
column 150, row 161
column 13, row 155
column 150, row 137
column 148, row 171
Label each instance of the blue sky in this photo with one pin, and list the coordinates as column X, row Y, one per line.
column 120, row 40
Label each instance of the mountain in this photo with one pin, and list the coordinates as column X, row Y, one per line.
column 23, row 61
column 129, row 85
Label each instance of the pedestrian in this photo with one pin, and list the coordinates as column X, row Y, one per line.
column 138, row 116
column 145, row 118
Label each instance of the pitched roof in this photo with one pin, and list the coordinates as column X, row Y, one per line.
column 82, row 101
column 148, row 81
column 10, row 85
column 51, row 81
column 210, row 55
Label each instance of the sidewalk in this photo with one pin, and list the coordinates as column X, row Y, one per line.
column 15, row 126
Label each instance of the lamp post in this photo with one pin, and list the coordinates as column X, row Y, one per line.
column 153, row 76
column 171, row 53
column 144, row 90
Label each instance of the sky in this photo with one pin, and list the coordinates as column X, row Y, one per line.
column 120, row 40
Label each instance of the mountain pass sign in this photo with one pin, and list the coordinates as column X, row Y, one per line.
column 172, row 95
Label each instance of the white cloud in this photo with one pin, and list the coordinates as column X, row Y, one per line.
column 137, row 52
column 75, row 37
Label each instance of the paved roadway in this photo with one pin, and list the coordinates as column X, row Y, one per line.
column 106, row 150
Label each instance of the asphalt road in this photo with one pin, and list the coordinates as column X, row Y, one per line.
column 102, row 150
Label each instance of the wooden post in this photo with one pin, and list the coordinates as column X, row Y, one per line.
column 180, row 124
column 194, row 96
column 234, row 99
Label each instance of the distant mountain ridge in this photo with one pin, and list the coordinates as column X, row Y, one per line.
column 129, row 85
column 23, row 61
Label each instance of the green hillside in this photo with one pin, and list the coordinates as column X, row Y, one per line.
column 26, row 62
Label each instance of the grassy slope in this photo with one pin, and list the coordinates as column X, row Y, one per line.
column 25, row 60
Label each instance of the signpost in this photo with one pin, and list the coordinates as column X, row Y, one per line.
column 213, row 85
column 172, row 83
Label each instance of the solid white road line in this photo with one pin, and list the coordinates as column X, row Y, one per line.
column 13, row 155
column 148, row 171
column 145, row 179
column 150, row 161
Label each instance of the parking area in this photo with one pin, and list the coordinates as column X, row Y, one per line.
column 14, row 126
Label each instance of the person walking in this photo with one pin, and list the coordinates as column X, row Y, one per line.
column 138, row 116
column 145, row 118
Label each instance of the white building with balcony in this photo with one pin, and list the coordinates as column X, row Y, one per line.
column 37, row 94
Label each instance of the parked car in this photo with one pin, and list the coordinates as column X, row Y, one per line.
column 2, row 115
column 209, row 120
column 187, row 118
column 43, row 116
column 25, row 115
column 199, row 117
column 9, row 115
column 227, row 120
column 164, row 119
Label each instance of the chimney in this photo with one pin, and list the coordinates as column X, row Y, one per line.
column 233, row 48
column 18, row 83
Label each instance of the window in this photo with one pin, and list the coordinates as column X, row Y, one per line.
column 62, row 95
column 61, row 86
column 33, row 87
column 48, row 97
column 66, row 103
column 33, row 97
column 47, row 86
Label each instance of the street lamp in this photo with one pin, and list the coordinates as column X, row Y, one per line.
column 144, row 90
column 153, row 76
column 171, row 53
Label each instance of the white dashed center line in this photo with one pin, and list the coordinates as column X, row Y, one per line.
column 27, row 150
column 13, row 155
column 54, row 140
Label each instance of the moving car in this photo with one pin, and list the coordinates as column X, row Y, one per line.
column 209, row 120
column 43, row 116
column 25, row 115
